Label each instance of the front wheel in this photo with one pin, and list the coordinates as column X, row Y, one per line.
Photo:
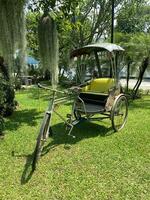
column 119, row 112
column 44, row 131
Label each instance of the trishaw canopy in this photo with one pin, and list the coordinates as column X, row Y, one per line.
column 96, row 47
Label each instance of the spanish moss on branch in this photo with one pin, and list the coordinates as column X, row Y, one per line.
column 12, row 31
column 48, row 46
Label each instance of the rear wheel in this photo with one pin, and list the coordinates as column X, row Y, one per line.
column 44, row 131
column 119, row 112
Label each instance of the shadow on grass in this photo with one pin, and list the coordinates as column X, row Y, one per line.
column 27, row 172
column 82, row 131
column 20, row 117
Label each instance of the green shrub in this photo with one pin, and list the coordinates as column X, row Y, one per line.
column 1, row 125
column 7, row 102
column 1, row 106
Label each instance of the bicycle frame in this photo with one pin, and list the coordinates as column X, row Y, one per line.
column 46, row 123
column 51, row 107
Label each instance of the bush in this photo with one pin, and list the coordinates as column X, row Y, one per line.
column 7, row 94
column 1, row 106
column 7, row 102
column 1, row 125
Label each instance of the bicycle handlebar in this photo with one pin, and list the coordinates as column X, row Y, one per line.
column 71, row 90
column 47, row 88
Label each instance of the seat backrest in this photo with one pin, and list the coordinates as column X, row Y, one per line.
column 100, row 85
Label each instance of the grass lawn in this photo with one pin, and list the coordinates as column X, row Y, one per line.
column 99, row 165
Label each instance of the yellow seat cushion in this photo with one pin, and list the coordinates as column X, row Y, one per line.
column 100, row 85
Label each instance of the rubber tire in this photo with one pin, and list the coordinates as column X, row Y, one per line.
column 117, row 100
column 39, row 143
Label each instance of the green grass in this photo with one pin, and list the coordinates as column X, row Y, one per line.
column 99, row 165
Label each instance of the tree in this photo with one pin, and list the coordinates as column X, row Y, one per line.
column 78, row 23
column 143, row 67
column 132, row 22
column 94, row 21
column 32, row 35
column 137, row 54
column 12, row 38
column 48, row 39
column 134, row 17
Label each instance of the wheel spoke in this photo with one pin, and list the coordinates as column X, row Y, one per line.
column 119, row 113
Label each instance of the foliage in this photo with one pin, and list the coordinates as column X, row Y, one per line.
column 17, row 83
column 134, row 17
column 143, row 67
column 78, row 23
column 7, row 99
column 83, row 22
column 1, row 105
column 32, row 36
column 136, row 47
column 48, row 40
column 7, row 94
column 90, row 21
column 7, row 102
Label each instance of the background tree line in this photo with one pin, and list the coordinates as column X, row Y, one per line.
column 89, row 21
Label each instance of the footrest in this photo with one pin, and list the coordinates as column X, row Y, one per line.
column 75, row 122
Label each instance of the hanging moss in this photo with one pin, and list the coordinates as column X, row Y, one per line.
column 12, row 38
column 48, row 46
column 12, row 31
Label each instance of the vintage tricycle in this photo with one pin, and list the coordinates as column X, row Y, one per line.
column 98, row 98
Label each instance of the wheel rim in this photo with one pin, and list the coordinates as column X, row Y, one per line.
column 40, row 142
column 119, row 113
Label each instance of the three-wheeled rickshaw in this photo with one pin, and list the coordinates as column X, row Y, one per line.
column 98, row 96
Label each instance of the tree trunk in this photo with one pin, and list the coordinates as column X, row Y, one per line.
column 128, row 75
column 143, row 67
